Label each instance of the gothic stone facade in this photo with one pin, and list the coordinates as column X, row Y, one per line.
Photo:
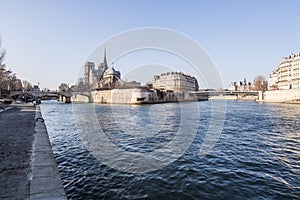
column 104, row 77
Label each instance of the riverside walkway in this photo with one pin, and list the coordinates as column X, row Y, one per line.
column 28, row 169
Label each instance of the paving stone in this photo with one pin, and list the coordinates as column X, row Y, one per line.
column 16, row 136
column 46, row 182
column 21, row 140
column 46, row 196
column 44, row 185
column 44, row 171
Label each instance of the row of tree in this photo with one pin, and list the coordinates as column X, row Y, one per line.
column 64, row 87
column 8, row 79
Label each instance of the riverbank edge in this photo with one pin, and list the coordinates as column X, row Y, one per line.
column 278, row 102
column 289, row 96
column 45, row 181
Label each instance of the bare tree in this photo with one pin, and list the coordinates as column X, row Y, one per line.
column 260, row 83
column 18, row 85
column 8, row 80
column 63, row 87
column 5, row 78
column 27, row 85
column 73, row 88
column 3, row 71
column 81, row 87
column 2, row 55
column 15, row 83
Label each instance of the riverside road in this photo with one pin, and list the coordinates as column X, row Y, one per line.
column 17, row 127
column 28, row 169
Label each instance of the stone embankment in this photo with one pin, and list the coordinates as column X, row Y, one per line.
column 28, row 169
column 137, row 96
column 282, row 96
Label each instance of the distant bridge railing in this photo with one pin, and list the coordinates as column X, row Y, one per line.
column 64, row 96
column 48, row 92
column 226, row 92
column 40, row 93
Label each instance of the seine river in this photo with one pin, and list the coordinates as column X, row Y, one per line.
column 257, row 155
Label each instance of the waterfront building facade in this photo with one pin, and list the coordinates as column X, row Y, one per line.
column 287, row 74
column 241, row 86
column 273, row 80
column 175, row 81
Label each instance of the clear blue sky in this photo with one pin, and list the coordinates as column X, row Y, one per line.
column 48, row 41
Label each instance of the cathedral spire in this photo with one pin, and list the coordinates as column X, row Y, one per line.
column 105, row 61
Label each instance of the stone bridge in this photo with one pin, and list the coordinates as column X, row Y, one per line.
column 64, row 96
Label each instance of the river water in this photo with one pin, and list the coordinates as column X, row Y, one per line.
column 257, row 155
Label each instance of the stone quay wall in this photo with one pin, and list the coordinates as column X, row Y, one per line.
column 117, row 96
column 121, row 96
column 45, row 181
column 80, row 98
column 134, row 96
column 292, row 95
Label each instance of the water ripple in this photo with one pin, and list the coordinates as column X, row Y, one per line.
column 256, row 157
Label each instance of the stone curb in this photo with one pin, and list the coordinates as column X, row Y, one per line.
column 45, row 181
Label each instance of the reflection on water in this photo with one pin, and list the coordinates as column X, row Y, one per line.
column 257, row 155
column 153, row 137
column 283, row 142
